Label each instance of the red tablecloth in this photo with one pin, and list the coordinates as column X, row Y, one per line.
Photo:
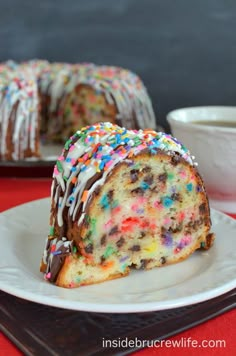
column 17, row 191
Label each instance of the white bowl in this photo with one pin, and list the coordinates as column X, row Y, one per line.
column 214, row 148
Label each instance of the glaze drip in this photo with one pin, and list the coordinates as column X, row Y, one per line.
column 98, row 149
column 37, row 93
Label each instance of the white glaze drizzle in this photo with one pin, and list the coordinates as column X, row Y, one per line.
column 121, row 87
column 19, row 88
column 71, row 168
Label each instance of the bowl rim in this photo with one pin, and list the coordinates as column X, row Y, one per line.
column 189, row 124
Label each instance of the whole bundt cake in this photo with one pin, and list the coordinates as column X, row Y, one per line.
column 122, row 198
column 50, row 101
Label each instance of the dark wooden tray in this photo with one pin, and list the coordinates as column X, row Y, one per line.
column 42, row 330
column 27, row 169
column 31, row 168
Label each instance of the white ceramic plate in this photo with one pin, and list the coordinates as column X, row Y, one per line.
column 201, row 277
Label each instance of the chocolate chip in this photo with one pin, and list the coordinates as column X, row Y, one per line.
column 102, row 259
column 209, row 240
column 89, row 248
column 148, row 179
column 135, row 248
column 193, row 225
column 137, row 191
column 144, row 263
column 103, row 240
column 162, row 177
column 163, row 260
column 110, row 195
column 163, row 230
column 202, row 208
column 97, row 190
column 190, row 224
column 187, row 231
column 120, row 242
column 134, row 175
column 155, row 189
column 176, row 196
column 178, row 228
column 142, row 234
column 146, row 169
column 175, row 159
column 113, row 230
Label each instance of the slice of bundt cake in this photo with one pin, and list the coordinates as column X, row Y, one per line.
column 122, row 198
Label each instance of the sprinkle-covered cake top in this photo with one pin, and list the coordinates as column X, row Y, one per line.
column 93, row 152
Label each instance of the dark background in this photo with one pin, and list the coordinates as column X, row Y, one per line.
column 184, row 50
